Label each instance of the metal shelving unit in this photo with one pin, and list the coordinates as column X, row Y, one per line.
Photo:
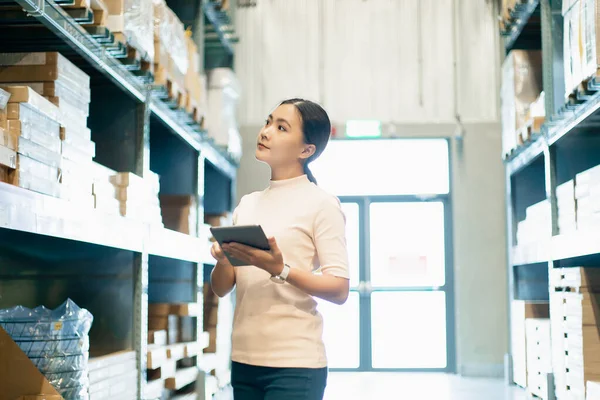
column 520, row 30
column 566, row 146
column 100, row 261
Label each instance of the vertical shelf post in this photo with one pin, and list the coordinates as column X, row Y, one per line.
column 142, row 159
column 142, row 168
column 552, row 55
column 141, row 317
column 510, row 224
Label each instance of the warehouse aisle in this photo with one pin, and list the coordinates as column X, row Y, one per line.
column 413, row 386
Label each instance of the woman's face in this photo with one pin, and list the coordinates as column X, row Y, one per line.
column 281, row 141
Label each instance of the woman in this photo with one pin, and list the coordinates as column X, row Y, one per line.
column 277, row 346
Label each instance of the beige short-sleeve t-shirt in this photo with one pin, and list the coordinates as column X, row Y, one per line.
column 278, row 325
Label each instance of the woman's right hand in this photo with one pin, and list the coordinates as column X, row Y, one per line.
column 218, row 254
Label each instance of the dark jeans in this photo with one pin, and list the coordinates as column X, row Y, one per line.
column 266, row 383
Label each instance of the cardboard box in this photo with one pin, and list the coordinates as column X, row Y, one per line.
column 176, row 351
column 180, row 213
column 211, row 316
column 76, row 154
column 41, row 67
column 166, row 370
column 154, row 389
column 58, row 89
column 156, row 356
column 573, row 49
column 193, row 349
column 185, row 309
column 4, row 96
column 521, row 86
column 33, row 183
column 39, row 153
column 30, row 166
column 8, row 158
column 111, row 365
column 115, row 7
column 115, row 23
column 18, row 375
column 24, row 94
column 521, row 311
column 582, row 278
column 129, row 179
column 158, row 337
column 166, row 323
column 584, row 307
column 41, row 137
column 71, row 134
column 182, row 378
column 30, row 116
column 77, row 110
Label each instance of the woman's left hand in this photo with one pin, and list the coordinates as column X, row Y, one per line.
column 270, row 261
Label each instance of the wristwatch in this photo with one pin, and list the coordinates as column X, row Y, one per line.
column 282, row 277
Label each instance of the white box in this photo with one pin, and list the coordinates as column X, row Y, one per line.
column 572, row 48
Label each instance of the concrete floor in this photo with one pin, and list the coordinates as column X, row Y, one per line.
column 412, row 386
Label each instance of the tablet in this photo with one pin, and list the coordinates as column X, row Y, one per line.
column 250, row 235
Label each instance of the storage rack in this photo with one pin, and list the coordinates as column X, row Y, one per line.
column 522, row 29
column 51, row 250
column 567, row 145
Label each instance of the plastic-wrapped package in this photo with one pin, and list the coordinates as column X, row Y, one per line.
column 67, row 379
column 223, row 95
column 74, row 393
column 65, row 363
column 57, row 343
column 66, row 321
column 49, row 348
column 139, row 26
column 171, row 33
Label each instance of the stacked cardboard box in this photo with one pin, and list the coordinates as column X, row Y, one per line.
column 53, row 76
column 567, row 207
column 134, row 197
column 173, row 346
column 131, row 21
column 223, row 95
column 30, row 142
column 539, row 360
column 171, row 52
column 587, row 193
column 180, row 213
column 521, row 311
column 195, row 83
column 114, row 376
column 505, row 9
column 218, row 322
column 536, row 225
column 521, row 87
column 575, row 301
column 581, row 38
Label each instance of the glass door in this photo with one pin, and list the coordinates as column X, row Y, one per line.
column 399, row 315
column 406, row 285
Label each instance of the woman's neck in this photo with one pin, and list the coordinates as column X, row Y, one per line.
column 283, row 173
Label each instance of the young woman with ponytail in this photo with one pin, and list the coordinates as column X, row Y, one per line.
column 277, row 347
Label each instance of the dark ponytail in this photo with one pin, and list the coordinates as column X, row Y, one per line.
column 309, row 174
column 316, row 128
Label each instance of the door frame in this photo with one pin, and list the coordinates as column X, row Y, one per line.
column 364, row 203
